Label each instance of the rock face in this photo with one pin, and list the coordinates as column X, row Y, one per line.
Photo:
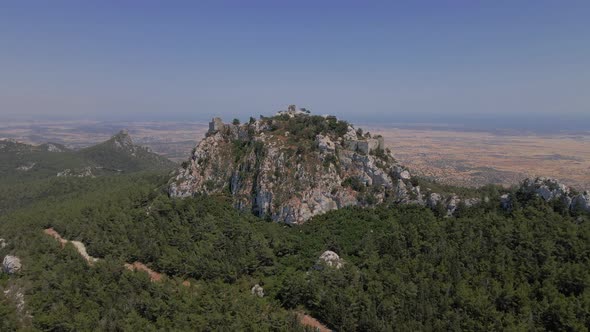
column 294, row 166
column 331, row 259
column 257, row 290
column 11, row 264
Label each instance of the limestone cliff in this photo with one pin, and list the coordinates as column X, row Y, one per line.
column 293, row 166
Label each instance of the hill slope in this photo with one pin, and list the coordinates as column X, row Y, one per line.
column 29, row 173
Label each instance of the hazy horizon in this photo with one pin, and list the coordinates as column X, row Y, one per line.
column 495, row 65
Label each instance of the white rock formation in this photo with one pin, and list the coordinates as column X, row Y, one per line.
column 26, row 167
column 257, row 290
column 331, row 259
column 11, row 264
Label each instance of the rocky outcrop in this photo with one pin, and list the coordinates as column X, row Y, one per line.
column 79, row 173
column 26, row 167
column 294, row 166
column 552, row 190
column 3, row 243
column 257, row 290
column 15, row 294
column 581, row 202
column 11, row 264
column 331, row 259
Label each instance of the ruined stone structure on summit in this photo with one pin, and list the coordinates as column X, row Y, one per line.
column 215, row 125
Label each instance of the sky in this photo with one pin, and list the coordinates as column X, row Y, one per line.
column 491, row 62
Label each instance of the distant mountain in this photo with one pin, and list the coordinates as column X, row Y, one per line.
column 120, row 154
column 19, row 161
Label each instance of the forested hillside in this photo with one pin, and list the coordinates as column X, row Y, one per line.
column 29, row 173
column 404, row 267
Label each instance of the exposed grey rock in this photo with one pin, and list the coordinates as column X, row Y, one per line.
column 79, row 173
column 401, row 173
column 3, row 244
column 546, row 188
column 469, row 202
column 16, row 295
column 325, row 144
column 433, row 200
column 53, row 148
column 122, row 140
column 550, row 189
column 26, row 167
column 11, row 264
column 452, row 204
column 331, row 259
column 581, row 202
column 506, row 202
column 257, row 290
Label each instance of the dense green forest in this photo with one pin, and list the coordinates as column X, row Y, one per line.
column 406, row 267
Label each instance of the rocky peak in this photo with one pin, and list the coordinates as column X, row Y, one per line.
column 122, row 140
column 293, row 166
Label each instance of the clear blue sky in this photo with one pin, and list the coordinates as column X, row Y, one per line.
column 363, row 60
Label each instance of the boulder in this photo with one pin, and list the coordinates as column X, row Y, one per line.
column 2, row 244
column 331, row 259
column 257, row 290
column 11, row 264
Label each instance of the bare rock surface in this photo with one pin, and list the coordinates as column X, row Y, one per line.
column 11, row 264
column 331, row 259
column 257, row 290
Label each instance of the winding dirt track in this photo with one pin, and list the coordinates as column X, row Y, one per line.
column 307, row 320
column 136, row 266
column 303, row 318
